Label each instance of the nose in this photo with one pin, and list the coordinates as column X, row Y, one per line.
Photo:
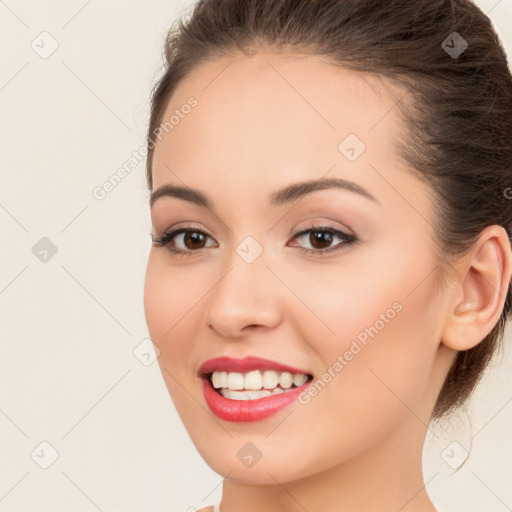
column 246, row 297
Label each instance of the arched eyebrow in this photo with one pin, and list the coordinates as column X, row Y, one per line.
column 278, row 198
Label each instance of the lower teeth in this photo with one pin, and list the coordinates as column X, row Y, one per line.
column 251, row 394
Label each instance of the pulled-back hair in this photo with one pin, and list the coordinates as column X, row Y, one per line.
column 457, row 108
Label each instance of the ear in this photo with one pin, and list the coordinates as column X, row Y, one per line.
column 480, row 290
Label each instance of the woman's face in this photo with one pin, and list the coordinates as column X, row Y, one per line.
column 364, row 319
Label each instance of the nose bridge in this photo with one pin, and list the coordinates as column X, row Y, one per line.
column 243, row 294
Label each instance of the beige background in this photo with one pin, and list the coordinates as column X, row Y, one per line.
column 68, row 372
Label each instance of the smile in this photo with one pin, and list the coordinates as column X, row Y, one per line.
column 258, row 390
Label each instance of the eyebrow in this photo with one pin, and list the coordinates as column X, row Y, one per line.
column 278, row 198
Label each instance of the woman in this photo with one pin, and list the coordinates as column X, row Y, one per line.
column 332, row 260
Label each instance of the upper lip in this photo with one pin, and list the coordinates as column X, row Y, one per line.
column 244, row 365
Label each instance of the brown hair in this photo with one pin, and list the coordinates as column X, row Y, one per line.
column 458, row 112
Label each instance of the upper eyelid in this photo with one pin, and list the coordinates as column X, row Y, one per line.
column 314, row 226
column 320, row 227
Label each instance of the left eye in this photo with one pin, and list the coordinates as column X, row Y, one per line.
column 194, row 239
column 324, row 235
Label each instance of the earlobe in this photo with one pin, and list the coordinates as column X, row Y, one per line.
column 484, row 277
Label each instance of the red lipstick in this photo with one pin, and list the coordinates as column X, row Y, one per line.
column 246, row 410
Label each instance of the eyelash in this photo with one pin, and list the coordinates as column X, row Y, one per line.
column 165, row 239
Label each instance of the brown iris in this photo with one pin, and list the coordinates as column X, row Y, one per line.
column 323, row 237
column 195, row 238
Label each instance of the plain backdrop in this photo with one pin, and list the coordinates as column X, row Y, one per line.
column 86, row 422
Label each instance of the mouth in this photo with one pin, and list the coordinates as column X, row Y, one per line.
column 255, row 384
column 250, row 389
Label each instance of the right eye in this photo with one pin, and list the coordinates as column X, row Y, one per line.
column 193, row 236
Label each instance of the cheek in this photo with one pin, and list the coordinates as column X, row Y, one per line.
column 169, row 299
column 380, row 336
column 171, row 305
column 169, row 293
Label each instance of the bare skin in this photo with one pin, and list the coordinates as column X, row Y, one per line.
column 260, row 124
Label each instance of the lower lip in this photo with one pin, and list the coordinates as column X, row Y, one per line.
column 248, row 410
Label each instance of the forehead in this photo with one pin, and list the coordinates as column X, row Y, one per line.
column 276, row 118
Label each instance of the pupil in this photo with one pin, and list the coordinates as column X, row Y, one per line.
column 195, row 237
column 321, row 237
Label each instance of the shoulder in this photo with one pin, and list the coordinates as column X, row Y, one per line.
column 211, row 508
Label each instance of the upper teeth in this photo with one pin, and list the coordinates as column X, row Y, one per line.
column 269, row 379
